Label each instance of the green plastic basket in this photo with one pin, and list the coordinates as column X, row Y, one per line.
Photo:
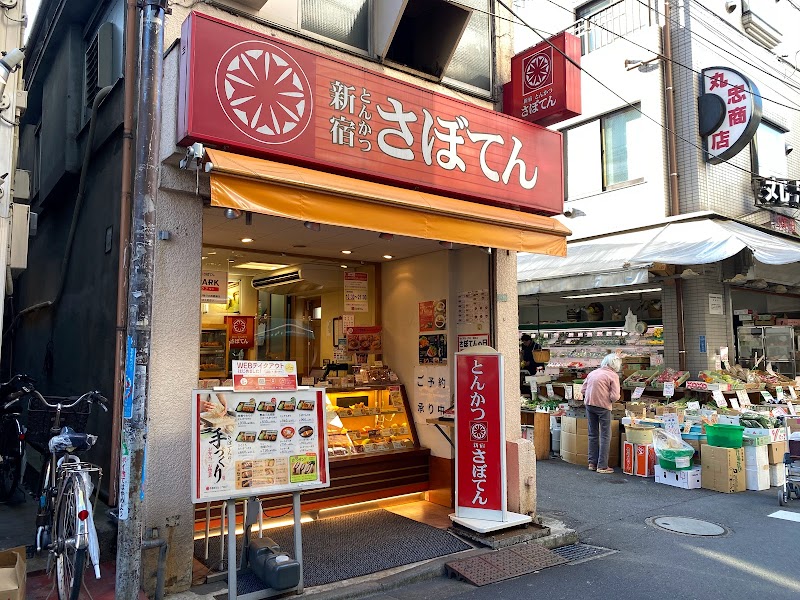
column 723, row 435
column 672, row 465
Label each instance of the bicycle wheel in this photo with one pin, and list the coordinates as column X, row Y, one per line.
column 10, row 457
column 70, row 559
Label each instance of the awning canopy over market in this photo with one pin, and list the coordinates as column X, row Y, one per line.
column 283, row 190
column 624, row 259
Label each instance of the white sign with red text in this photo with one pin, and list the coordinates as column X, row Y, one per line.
column 264, row 375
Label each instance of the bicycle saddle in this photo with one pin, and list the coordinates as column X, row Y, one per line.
column 69, row 440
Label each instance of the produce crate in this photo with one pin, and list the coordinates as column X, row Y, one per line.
column 681, row 377
column 635, row 380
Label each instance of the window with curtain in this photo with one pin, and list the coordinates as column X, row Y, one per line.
column 345, row 21
column 621, row 147
column 472, row 61
column 768, row 151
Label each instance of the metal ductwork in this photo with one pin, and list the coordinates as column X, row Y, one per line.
column 303, row 279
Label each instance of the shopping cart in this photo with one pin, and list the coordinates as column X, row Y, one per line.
column 791, row 487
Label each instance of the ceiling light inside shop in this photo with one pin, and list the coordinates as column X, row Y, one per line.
column 343, row 266
column 232, row 213
column 602, row 295
column 312, row 225
column 347, row 251
column 388, row 256
column 260, row 266
column 247, row 240
column 212, row 252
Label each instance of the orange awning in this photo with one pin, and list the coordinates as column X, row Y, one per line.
column 282, row 190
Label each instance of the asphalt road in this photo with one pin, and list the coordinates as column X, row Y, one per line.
column 758, row 557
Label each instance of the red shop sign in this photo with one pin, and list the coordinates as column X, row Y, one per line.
column 545, row 88
column 258, row 95
column 241, row 331
column 480, row 437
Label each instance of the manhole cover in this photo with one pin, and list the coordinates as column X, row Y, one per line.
column 688, row 526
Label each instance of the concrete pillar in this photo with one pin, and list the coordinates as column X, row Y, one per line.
column 174, row 364
column 520, row 454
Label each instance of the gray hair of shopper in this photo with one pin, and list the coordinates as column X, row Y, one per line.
column 613, row 361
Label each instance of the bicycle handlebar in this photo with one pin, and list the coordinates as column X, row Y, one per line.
column 88, row 397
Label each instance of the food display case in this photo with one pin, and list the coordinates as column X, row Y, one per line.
column 213, row 352
column 777, row 343
column 573, row 346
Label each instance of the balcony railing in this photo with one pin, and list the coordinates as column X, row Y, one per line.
column 619, row 19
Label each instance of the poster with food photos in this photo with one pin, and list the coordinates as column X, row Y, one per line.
column 256, row 443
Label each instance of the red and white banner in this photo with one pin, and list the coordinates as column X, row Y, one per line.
column 264, row 375
column 241, row 331
column 480, row 437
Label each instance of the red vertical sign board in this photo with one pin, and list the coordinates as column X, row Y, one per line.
column 480, row 437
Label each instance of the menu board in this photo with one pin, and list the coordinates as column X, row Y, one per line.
column 248, row 444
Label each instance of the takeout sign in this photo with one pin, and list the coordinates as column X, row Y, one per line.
column 258, row 375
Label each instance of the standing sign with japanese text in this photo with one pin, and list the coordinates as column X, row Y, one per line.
column 729, row 111
column 480, row 437
column 260, row 95
column 255, row 444
column 262, row 375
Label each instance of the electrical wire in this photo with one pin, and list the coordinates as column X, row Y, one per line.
column 629, row 104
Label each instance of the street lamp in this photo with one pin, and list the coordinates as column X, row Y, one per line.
column 8, row 64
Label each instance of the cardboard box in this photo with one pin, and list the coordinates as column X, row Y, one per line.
column 638, row 459
column 13, row 574
column 775, row 452
column 756, row 457
column 789, row 322
column 723, row 469
column 688, row 480
column 775, row 435
column 777, row 475
column 757, row 479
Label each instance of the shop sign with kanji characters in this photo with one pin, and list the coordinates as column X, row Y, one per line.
column 480, row 437
column 259, row 95
column 729, row 111
column 776, row 192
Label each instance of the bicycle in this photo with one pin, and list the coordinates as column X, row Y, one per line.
column 65, row 519
column 12, row 435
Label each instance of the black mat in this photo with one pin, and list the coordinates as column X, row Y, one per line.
column 353, row 545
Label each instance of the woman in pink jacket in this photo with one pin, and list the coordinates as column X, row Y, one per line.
column 600, row 391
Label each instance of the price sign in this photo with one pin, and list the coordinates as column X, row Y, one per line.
column 637, row 393
column 576, row 391
column 743, row 397
column 792, row 410
column 671, row 423
column 669, row 389
column 793, row 393
column 735, row 404
column 778, row 412
column 568, row 392
column 719, row 398
column 767, row 396
column 693, row 405
column 550, row 392
column 779, row 393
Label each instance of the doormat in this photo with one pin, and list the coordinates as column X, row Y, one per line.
column 352, row 545
column 503, row 564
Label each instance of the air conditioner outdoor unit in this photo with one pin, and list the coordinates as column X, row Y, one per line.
column 302, row 279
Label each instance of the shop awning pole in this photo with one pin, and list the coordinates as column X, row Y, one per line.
column 140, row 297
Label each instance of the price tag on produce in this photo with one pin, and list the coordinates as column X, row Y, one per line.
column 767, row 396
column 743, row 397
column 576, row 391
column 671, row 423
column 779, row 393
column 637, row 393
column 669, row 389
column 719, row 398
column 568, row 392
column 793, row 393
column 735, row 404
column 693, row 405
column 778, row 412
column 792, row 410
column 550, row 392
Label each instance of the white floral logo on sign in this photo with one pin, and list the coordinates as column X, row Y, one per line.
column 264, row 92
column 239, row 325
column 538, row 71
column 478, row 431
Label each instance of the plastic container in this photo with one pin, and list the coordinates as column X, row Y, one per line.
column 639, row 435
column 679, row 463
column 725, row 436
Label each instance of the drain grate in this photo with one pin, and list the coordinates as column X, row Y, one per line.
column 503, row 564
column 580, row 553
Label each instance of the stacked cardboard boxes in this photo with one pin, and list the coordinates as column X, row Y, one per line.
column 575, row 441
column 723, row 469
column 777, row 470
column 638, row 459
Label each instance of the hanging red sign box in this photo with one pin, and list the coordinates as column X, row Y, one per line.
column 480, row 437
column 545, row 87
column 262, row 96
column 241, row 331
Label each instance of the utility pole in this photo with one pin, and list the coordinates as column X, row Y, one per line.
column 140, row 296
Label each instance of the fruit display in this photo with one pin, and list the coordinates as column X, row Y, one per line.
column 639, row 378
column 667, row 375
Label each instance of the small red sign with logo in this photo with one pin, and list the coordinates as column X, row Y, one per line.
column 241, row 331
column 545, row 87
column 480, row 437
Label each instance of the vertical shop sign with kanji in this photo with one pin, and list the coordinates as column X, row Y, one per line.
column 480, row 437
column 729, row 111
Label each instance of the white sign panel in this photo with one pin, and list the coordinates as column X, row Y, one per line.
column 715, row 306
column 471, row 340
column 214, row 287
column 248, row 444
column 356, row 292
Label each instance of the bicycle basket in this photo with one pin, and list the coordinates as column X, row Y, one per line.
column 41, row 418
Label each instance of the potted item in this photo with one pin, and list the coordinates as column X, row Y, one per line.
column 595, row 311
column 541, row 353
column 653, row 309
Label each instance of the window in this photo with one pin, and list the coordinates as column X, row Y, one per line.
column 472, row 61
column 589, row 35
column 604, row 154
column 768, row 151
column 346, row 21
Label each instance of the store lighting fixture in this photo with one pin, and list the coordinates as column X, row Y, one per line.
column 212, row 252
column 604, row 294
column 386, row 236
column 247, row 240
column 347, row 251
column 448, row 245
column 312, row 225
column 343, row 266
column 388, row 256
column 232, row 213
column 204, row 257
column 260, row 266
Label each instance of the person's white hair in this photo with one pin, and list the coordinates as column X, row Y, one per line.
column 613, row 361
